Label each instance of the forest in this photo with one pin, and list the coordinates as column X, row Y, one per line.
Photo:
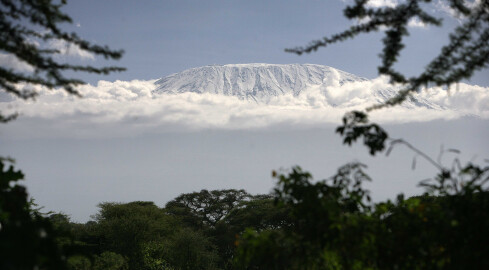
column 302, row 224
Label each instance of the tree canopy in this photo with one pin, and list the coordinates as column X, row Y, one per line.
column 206, row 208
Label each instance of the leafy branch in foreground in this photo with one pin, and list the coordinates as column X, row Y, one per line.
column 27, row 239
column 356, row 125
column 25, row 23
column 466, row 52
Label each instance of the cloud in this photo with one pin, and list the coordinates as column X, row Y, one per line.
column 10, row 61
column 126, row 108
column 68, row 49
column 417, row 23
column 464, row 98
column 376, row 3
column 413, row 23
column 382, row 3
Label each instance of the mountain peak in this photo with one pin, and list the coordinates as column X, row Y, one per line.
column 256, row 81
column 261, row 82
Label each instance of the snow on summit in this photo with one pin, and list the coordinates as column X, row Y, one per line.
column 263, row 82
column 257, row 82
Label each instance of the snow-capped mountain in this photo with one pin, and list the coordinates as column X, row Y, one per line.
column 262, row 82
column 252, row 81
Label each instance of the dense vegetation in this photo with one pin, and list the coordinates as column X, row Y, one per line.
column 302, row 224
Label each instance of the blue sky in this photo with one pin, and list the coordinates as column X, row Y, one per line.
column 164, row 37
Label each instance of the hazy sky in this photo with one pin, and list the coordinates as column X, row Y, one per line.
column 73, row 175
column 122, row 143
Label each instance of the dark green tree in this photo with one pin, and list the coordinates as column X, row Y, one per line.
column 333, row 225
column 27, row 25
column 205, row 208
column 189, row 249
column 260, row 213
column 27, row 238
column 125, row 228
column 110, row 261
column 323, row 222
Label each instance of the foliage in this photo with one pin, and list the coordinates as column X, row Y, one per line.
column 259, row 212
column 110, row 261
column 27, row 239
column 323, row 213
column 189, row 249
column 153, row 256
column 334, row 226
column 27, row 25
column 205, row 208
column 145, row 236
column 355, row 125
column 79, row 263
column 124, row 228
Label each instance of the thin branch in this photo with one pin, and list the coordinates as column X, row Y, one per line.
column 417, row 151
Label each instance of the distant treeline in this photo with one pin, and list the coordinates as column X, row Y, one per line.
column 198, row 230
column 302, row 224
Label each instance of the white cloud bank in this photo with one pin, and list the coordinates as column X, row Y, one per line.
column 124, row 108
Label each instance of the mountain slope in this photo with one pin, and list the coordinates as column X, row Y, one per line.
column 252, row 81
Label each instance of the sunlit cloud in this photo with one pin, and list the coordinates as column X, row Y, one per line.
column 382, row 3
column 416, row 23
column 412, row 23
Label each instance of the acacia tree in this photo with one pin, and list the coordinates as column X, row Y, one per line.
column 26, row 28
column 206, row 208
